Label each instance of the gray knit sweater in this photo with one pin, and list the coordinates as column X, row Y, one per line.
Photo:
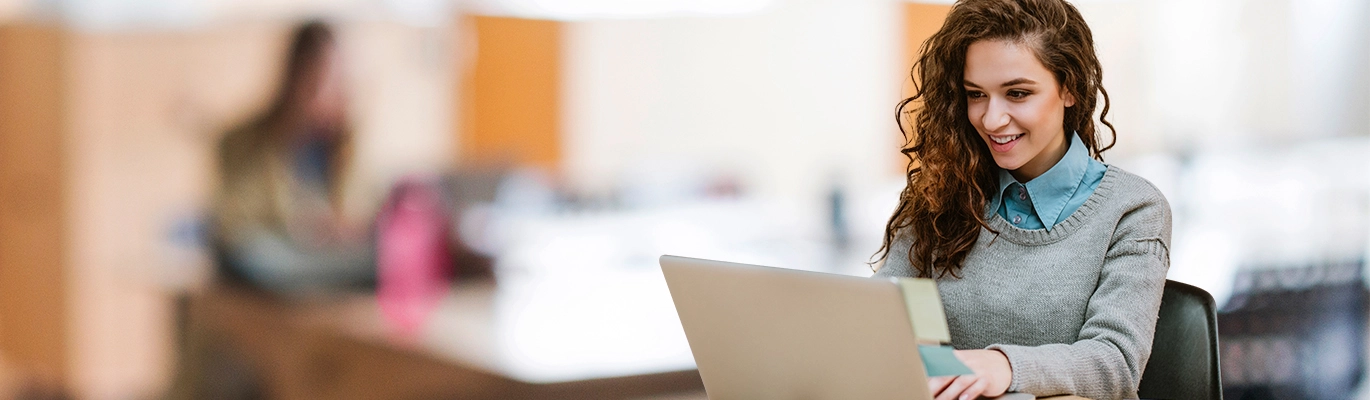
column 1074, row 308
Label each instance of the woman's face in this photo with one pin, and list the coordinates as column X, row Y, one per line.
column 1016, row 106
column 328, row 102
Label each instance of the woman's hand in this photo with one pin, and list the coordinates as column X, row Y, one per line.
column 992, row 375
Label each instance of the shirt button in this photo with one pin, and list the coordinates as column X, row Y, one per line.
column 1017, row 219
column 1022, row 195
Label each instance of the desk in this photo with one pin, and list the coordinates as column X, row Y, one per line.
column 340, row 349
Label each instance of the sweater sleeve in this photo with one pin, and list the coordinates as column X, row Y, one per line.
column 1110, row 353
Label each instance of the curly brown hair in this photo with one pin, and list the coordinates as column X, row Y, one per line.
column 951, row 175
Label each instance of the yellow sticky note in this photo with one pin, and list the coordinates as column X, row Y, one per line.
column 925, row 310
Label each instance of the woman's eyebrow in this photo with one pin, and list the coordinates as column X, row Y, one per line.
column 1019, row 81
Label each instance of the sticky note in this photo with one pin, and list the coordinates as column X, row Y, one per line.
column 940, row 361
column 925, row 310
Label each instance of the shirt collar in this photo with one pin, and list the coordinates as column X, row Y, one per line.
column 1053, row 189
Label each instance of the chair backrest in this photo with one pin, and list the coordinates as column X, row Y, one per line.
column 1184, row 354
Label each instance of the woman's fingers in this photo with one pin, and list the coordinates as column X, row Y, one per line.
column 991, row 366
column 937, row 384
column 954, row 390
column 975, row 390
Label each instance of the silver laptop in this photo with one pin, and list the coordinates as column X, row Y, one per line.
column 770, row 333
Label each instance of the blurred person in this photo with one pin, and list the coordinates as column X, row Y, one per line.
column 278, row 222
column 1050, row 263
column 278, row 215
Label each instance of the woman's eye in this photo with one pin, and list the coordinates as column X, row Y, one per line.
column 974, row 95
column 1017, row 94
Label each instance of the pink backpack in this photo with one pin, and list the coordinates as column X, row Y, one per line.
column 413, row 263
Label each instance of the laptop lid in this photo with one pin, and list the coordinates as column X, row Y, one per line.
column 771, row 333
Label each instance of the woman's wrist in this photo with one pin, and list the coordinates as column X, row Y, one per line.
column 991, row 365
column 1007, row 368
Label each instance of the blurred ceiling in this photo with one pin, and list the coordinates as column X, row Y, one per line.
column 173, row 14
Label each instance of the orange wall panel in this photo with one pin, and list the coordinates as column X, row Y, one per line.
column 512, row 97
column 921, row 21
column 32, row 200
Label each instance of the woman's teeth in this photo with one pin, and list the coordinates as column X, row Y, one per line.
column 1004, row 139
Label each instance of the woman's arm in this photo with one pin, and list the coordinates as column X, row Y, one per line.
column 272, row 261
column 1114, row 343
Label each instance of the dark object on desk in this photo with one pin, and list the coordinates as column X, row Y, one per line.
column 1184, row 354
column 460, row 190
column 1295, row 333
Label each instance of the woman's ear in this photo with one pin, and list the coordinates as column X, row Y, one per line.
column 1069, row 98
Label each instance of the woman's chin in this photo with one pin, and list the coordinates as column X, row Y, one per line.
column 1009, row 164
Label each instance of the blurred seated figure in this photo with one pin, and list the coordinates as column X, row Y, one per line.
column 279, row 224
column 278, row 216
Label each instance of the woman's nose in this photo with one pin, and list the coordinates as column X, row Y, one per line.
column 996, row 116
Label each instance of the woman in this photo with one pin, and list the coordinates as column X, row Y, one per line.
column 278, row 213
column 1050, row 263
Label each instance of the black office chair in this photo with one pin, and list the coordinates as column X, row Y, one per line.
column 1184, row 354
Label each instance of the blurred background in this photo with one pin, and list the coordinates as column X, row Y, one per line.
column 565, row 145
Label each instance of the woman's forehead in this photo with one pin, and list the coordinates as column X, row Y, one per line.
column 995, row 63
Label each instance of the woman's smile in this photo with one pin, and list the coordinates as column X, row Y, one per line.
column 1002, row 144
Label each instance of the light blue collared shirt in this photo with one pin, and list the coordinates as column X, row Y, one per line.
column 1055, row 194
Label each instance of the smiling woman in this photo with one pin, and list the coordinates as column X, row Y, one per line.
column 1049, row 262
column 1019, row 111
